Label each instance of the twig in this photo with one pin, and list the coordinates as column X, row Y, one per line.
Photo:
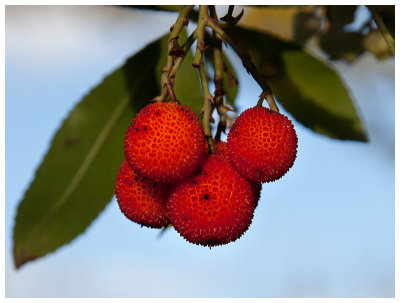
column 219, row 79
column 166, row 84
column 199, row 64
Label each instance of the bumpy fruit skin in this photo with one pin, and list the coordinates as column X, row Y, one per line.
column 221, row 149
column 214, row 207
column 165, row 142
column 141, row 200
column 262, row 144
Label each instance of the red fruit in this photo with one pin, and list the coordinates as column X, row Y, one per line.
column 165, row 142
column 221, row 149
column 214, row 207
column 141, row 200
column 262, row 144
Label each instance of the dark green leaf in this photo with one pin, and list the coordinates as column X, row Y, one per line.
column 337, row 41
column 339, row 44
column 76, row 178
column 307, row 87
column 340, row 15
column 387, row 14
column 305, row 25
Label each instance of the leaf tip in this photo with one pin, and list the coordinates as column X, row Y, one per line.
column 21, row 257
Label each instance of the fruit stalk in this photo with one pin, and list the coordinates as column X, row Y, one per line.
column 218, row 80
column 199, row 64
column 176, row 28
column 178, row 61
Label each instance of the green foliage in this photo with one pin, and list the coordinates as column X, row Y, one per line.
column 305, row 25
column 307, row 87
column 76, row 178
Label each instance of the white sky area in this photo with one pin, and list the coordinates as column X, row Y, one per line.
column 325, row 230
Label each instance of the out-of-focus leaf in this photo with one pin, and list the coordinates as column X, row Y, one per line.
column 326, row 106
column 340, row 15
column 307, row 87
column 337, row 41
column 305, row 25
column 387, row 14
column 376, row 44
column 277, row 20
column 339, row 44
column 384, row 19
column 76, row 179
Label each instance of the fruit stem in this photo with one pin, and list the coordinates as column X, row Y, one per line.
column 247, row 63
column 175, row 67
column 176, row 28
column 265, row 95
column 218, row 79
column 199, row 64
column 179, row 60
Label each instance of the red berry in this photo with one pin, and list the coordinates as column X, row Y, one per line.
column 214, row 207
column 262, row 144
column 221, row 149
column 141, row 200
column 165, row 142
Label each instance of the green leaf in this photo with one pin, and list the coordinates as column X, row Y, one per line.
column 305, row 25
column 387, row 14
column 307, row 87
column 76, row 179
column 314, row 93
column 339, row 44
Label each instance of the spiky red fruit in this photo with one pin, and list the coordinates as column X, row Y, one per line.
column 141, row 200
column 214, row 207
column 262, row 144
column 221, row 149
column 165, row 142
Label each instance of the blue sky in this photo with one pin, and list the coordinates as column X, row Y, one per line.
column 325, row 230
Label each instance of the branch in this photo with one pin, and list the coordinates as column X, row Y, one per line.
column 199, row 64
column 173, row 51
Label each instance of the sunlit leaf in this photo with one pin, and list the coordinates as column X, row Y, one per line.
column 376, row 44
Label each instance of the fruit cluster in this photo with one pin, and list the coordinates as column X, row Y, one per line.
column 168, row 176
